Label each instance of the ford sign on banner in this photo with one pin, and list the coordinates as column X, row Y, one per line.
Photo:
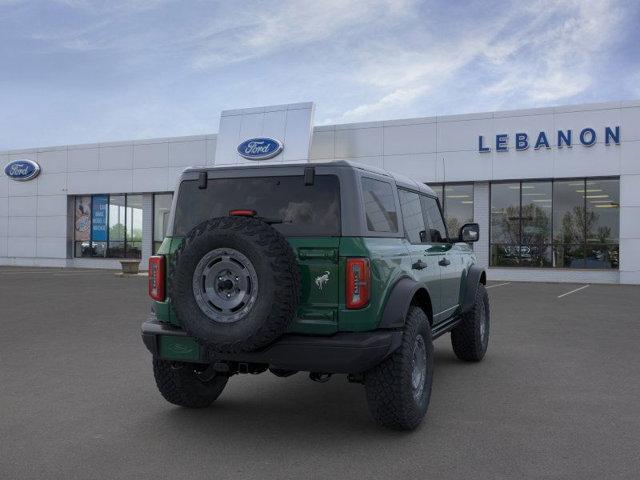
column 99, row 207
column 260, row 148
column 22, row 170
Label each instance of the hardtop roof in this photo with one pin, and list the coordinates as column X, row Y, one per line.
column 400, row 180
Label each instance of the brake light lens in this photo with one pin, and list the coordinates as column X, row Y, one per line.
column 242, row 213
column 358, row 287
column 156, row 278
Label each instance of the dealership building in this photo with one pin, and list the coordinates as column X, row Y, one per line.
column 556, row 190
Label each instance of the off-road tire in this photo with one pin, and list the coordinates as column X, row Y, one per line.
column 278, row 279
column 389, row 385
column 467, row 338
column 179, row 384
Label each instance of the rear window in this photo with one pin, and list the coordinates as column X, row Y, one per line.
column 304, row 210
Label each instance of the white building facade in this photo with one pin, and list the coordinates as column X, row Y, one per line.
column 556, row 191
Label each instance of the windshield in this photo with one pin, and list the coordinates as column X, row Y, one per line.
column 295, row 208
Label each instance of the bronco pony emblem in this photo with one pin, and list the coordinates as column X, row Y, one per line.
column 321, row 280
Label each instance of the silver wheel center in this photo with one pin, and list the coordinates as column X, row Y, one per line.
column 419, row 371
column 225, row 285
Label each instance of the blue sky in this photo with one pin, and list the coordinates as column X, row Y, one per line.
column 77, row 71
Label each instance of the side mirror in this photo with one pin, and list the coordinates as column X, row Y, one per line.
column 470, row 232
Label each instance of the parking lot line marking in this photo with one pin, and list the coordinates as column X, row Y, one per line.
column 573, row 291
column 498, row 285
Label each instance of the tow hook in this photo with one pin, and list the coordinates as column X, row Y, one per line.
column 320, row 377
column 211, row 371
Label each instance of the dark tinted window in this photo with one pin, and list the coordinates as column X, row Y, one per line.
column 433, row 217
column 412, row 215
column 379, row 205
column 303, row 210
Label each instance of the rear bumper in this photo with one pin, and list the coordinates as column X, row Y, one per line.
column 346, row 352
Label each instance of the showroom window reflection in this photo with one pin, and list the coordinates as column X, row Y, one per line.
column 108, row 226
column 562, row 224
column 456, row 200
column 161, row 210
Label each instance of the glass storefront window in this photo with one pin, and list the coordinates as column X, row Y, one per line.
column 535, row 249
column 161, row 210
column 603, row 223
column 82, row 226
column 564, row 224
column 134, row 226
column 108, row 226
column 505, row 224
column 457, row 204
column 117, row 219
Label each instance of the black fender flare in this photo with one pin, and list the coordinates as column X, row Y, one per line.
column 475, row 277
column 398, row 302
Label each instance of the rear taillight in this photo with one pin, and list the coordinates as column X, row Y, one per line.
column 358, row 285
column 156, row 278
column 242, row 212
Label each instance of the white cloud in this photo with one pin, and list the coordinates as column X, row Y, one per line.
column 543, row 52
column 254, row 33
column 554, row 63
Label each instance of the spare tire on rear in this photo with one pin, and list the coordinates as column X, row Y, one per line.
column 234, row 284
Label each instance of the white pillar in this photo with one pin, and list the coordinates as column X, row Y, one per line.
column 481, row 215
column 629, row 229
column 147, row 229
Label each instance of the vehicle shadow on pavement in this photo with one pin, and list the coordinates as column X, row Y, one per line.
column 290, row 406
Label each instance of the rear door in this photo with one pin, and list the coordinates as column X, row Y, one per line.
column 425, row 267
column 440, row 250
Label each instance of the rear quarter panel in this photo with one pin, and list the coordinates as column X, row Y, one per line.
column 390, row 261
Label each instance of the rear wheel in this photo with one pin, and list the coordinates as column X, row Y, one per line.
column 398, row 389
column 470, row 338
column 181, row 384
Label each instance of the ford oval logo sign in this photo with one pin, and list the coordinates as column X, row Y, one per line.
column 260, row 148
column 22, row 170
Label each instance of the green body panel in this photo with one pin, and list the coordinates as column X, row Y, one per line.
column 389, row 261
column 318, row 259
column 322, row 262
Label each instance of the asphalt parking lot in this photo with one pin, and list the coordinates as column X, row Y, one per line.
column 558, row 395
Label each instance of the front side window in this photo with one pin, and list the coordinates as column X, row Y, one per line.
column 436, row 230
column 414, row 222
column 379, row 206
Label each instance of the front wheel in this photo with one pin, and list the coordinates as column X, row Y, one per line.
column 180, row 383
column 398, row 389
column 470, row 338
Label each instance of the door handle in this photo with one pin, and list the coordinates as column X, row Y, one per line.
column 444, row 262
column 419, row 265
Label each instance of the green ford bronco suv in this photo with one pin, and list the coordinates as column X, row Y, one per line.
column 333, row 268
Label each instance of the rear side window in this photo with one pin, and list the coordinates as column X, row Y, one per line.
column 414, row 221
column 297, row 209
column 379, row 206
column 436, row 230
